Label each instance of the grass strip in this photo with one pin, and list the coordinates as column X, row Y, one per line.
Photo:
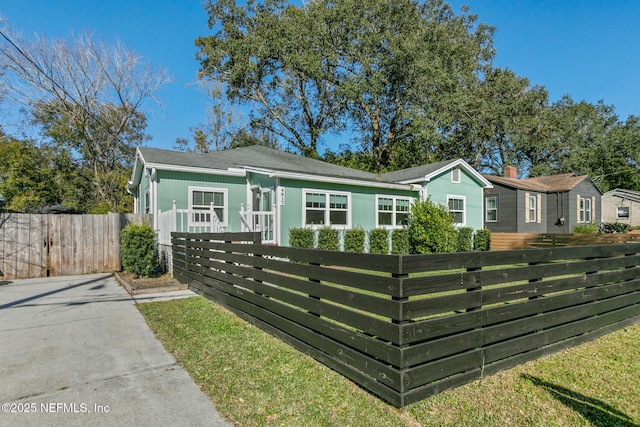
column 256, row 380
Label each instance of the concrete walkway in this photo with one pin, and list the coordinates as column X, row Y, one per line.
column 75, row 351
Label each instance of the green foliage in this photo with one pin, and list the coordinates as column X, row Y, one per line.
column 138, row 250
column 354, row 240
column 614, row 228
column 301, row 238
column 482, row 240
column 465, row 239
column 431, row 229
column 400, row 241
column 328, row 239
column 588, row 228
column 379, row 241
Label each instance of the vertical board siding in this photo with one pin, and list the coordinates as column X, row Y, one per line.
column 406, row 327
column 56, row 245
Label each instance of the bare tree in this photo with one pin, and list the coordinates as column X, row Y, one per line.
column 88, row 96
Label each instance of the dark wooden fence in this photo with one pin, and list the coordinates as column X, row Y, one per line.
column 509, row 241
column 407, row 327
column 56, row 245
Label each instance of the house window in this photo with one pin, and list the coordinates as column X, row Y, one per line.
column 324, row 208
column 147, row 202
column 200, row 202
column 622, row 212
column 491, row 209
column 532, row 208
column 585, row 209
column 456, row 208
column 455, row 175
column 392, row 211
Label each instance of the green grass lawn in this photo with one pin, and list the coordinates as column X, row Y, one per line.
column 256, row 380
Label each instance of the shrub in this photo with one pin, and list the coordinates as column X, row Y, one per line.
column 431, row 229
column 138, row 250
column 354, row 240
column 614, row 228
column 379, row 241
column 482, row 240
column 301, row 238
column 588, row 228
column 465, row 239
column 328, row 239
column 400, row 241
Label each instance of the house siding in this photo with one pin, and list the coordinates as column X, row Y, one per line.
column 610, row 204
column 174, row 185
column 441, row 186
column 585, row 189
column 363, row 203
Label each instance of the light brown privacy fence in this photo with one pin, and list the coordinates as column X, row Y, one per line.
column 57, row 245
column 509, row 241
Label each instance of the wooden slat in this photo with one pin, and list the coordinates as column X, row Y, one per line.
column 397, row 334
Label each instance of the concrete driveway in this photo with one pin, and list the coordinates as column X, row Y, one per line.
column 75, row 351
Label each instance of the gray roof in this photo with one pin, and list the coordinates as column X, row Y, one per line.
column 624, row 194
column 415, row 172
column 256, row 156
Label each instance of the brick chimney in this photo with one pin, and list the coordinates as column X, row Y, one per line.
column 511, row 172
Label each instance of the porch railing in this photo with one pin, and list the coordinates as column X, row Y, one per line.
column 260, row 221
column 186, row 221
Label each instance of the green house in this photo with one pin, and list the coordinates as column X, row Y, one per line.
column 258, row 188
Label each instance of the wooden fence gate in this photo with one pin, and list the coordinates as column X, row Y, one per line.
column 58, row 245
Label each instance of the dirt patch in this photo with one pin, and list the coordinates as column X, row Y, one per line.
column 163, row 282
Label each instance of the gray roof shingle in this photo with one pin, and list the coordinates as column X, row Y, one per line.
column 256, row 156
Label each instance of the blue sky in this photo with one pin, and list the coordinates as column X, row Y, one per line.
column 588, row 49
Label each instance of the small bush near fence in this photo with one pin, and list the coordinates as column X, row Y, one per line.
column 431, row 229
column 301, row 238
column 137, row 250
column 354, row 240
column 614, row 228
column 328, row 239
column 400, row 241
column 482, row 240
column 586, row 228
column 465, row 239
column 379, row 241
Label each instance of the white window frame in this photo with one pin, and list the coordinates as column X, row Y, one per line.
column 327, row 209
column 486, row 209
column 225, row 213
column 624, row 217
column 455, row 175
column 585, row 207
column 532, row 211
column 394, row 210
column 146, row 208
column 464, row 208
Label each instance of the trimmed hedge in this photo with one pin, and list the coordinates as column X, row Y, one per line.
column 379, row 241
column 465, row 239
column 354, row 240
column 482, row 240
column 400, row 241
column 301, row 238
column 328, row 239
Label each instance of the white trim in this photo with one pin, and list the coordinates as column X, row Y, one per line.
column 327, row 209
column 456, row 163
column 207, row 171
column 225, row 213
column 338, row 180
column 464, row 210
